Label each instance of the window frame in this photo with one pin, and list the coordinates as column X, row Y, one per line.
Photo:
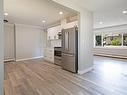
column 102, row 36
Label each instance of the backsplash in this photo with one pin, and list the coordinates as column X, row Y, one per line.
column 54, row 43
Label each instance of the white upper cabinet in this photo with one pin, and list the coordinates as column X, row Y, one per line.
column 52, row 33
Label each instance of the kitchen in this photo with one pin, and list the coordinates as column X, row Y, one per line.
column 46, row 38
column 53, row 40
column 56, row 44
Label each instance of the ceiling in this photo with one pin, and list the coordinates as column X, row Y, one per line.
column 109, row 12
column 33, row 12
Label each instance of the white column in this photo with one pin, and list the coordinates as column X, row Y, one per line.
column 85, row 42
column 1, row 48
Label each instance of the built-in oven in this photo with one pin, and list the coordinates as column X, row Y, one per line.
column 57, row 55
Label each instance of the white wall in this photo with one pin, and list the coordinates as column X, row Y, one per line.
column 112, row 51
column 9, row 42
column 29, row 41
column 85, row 61
column 1, row 48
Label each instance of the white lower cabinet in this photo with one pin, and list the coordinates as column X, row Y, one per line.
column 49, row 54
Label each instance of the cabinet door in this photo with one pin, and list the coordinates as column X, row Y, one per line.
column 58, row 29
column 51, row 55
column 50, row 34
column 55, row 32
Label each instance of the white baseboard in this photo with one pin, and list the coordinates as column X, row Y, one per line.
column 29, row 58
column 85, row 71
column 110, row 55
column 7, row 60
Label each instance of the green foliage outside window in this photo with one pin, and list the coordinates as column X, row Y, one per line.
column 98, row 40
column 112, row 40
column 116, row 42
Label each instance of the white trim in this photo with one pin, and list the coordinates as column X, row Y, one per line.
column 9, row 24
column 27, row 25
column 111, row 47
column 114, row 26
column 110, row 55
column 85, row 71
column 29, row 58
column 9, row 60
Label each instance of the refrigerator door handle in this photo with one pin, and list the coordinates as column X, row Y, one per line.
column 68, row 55
column 66, row 40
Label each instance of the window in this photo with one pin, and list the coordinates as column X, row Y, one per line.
column 124, row 39
column 98, row 39
column 112, row 40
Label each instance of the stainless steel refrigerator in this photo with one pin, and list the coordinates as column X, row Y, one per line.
column 70, row 49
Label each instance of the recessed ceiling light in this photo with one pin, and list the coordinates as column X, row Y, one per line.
column 60, row 13
column 6, row 14
column 100, row 22
column 43, row 21
column 124, row 12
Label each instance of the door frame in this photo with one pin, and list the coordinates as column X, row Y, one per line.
column 1, row 47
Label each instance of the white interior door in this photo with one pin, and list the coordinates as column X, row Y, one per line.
column 9, row 42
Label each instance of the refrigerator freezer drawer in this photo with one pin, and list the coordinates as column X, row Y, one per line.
column 69, row 63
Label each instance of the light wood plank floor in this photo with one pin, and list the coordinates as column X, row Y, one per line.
column 37, row 77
